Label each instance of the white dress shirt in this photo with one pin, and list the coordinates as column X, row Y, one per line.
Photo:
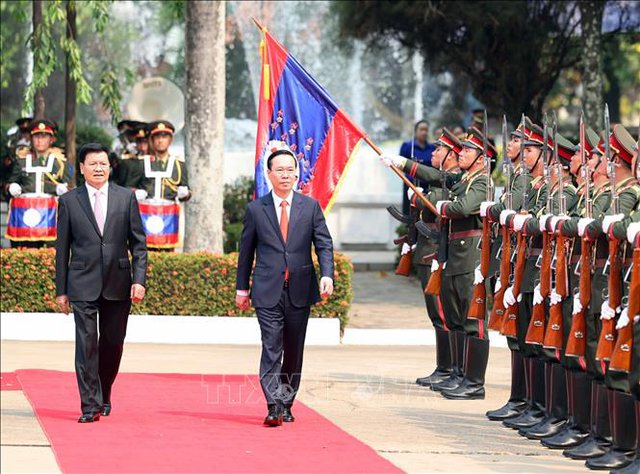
column 104, row 198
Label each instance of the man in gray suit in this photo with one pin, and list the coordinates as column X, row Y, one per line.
column 279, row 229
column 99, row 224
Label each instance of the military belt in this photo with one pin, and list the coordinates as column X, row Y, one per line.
column 465, row 234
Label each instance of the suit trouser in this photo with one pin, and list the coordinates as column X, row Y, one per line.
column 455, row 295
column 431, row 301
column 283, row 329
column 98, row 357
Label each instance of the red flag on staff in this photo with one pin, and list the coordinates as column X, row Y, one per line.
column 295, row 109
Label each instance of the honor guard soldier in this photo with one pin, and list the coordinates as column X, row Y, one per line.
column 625, row 194
column 468, row 337
column 520, row 179
column 40, row 174
column 444, row 158
column 176, row 184
column 581, row 369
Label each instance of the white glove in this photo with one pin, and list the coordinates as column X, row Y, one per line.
column 623, row 320
column 519, row 221
column 537, row 295
column 410, row 192
column 504, row 214
column 61, row 189
column 406, row 248
column 434, row 265
column 477, row 276
column 543, row 221
column 498, row 286
column 440, row 205
column 632, row 231
column 15, row 189
column 606, row 311
column 183, row 192
column 554, row 298
column 582, row 225
column 555, row 220
column 577, row 305
column 132, row 148
column 141, row 194
column 608, row 220
column 396, row 160
column 509, row 297
column 484, row 207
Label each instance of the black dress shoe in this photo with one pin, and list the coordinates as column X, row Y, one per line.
column 449, row 383
column 530, row 417
column 467, row 390
column 438, row 376
column 549, row 426
column 89, row 418
column 511, row 409
column 591, row 448
column 106, row 409
column 612, row 459
column 568, row 437
column 274, row 417
column 287, row 416
column 633, row 468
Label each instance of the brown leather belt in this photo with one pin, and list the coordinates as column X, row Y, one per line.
column 535, row 252
column 600, row 262
column 574, row 259
column 465, row 234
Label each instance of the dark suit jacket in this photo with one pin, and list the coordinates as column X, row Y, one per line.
column 261, row 237
column 89, row 264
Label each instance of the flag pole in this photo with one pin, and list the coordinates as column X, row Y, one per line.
column 402, row 176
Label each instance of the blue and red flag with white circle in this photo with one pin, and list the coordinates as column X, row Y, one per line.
column 297, row 110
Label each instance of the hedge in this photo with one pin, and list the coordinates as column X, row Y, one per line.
column 177, row 284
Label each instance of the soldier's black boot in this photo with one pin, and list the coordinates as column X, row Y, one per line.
column 634, row 467
column 517, row 401
column 623, row 431
column 456, row 341
column 443, row 361
column 475, row 367
column 556, row 405
column 599, row 438
column 579, row 404
column 535, row 412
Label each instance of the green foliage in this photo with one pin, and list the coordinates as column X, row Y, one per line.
column 236, row 197
column 177, row 284
column 87, row 133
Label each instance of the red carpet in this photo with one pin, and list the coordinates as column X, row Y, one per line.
column 189, row 423
column 9, row 381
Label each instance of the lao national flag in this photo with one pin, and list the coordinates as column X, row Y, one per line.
column 161, row 223
column 295, row 109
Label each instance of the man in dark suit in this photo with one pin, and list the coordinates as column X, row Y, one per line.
column 278, row 230
column 99, row 224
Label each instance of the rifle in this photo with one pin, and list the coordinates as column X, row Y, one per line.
column 536, row 329
column 555, row 329
column 404, row 265
column 478, row 306
column 435, row 279
column 509, row 325
column 621, row 356
column 577, row 342
column 608, row 332
column 498, row 310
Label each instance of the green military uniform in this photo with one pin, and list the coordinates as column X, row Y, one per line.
column 519, row 185
column 425, row 251
column 178, row 174
column 622, row 426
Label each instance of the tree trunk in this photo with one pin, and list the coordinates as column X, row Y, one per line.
column 591, row 22
column 70, row 97
column 205, row 84
column 38, row 100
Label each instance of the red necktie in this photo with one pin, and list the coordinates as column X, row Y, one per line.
column 284, row 229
